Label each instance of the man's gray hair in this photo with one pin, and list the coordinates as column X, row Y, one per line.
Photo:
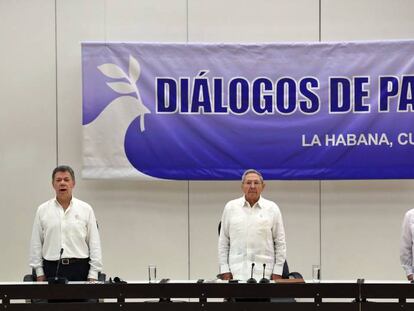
column 63, row 168
column 250, row 171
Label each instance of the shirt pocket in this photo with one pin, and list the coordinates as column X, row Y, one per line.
column 76, row 227
column 236, row 263
column 236, row 258
column 262, row 228
column 237, row 226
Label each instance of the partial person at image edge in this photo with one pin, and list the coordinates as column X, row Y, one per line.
column 406, row 246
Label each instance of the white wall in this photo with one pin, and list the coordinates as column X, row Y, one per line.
column 351, row 227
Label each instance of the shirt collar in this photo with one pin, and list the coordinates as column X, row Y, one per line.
column 58, row 204
column 259, row 203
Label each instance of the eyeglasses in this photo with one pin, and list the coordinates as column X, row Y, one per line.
column 251, row 183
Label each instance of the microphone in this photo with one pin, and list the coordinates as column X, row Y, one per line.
column 252, row 280
column 119, row 280
column 57, row 279
column 58, row 264
column 264, row 280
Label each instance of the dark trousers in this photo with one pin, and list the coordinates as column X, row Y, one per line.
column 74, row 271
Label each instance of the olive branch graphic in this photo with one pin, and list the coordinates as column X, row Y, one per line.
column 115, row 72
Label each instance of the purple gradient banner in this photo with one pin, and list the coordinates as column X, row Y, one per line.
column 209, row 111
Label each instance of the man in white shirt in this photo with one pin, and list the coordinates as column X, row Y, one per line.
column 66, row 228
column 251, row 232
column 406, row 247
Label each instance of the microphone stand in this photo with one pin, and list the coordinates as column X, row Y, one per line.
column 252, row 280
column 264, row 280
column 57, row 279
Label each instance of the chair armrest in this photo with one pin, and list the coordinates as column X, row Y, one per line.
column 28, row 278
column 101, row 277
column 295, row 275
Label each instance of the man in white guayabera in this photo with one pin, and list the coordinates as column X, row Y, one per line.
column 406, row 246
column 251, row 232
column 65, row 229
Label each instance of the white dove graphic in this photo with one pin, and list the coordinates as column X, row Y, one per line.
column 103, row 149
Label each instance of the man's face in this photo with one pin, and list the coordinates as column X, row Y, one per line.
column 252, row 187
column 63, row 184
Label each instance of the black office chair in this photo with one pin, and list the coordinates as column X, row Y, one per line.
column 290, row 275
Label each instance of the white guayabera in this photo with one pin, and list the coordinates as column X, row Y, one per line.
column 115, row 72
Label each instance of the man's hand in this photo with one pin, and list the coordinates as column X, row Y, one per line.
column 226, row 276
column 41, row 278
column 276, row 277
column 410, row 277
